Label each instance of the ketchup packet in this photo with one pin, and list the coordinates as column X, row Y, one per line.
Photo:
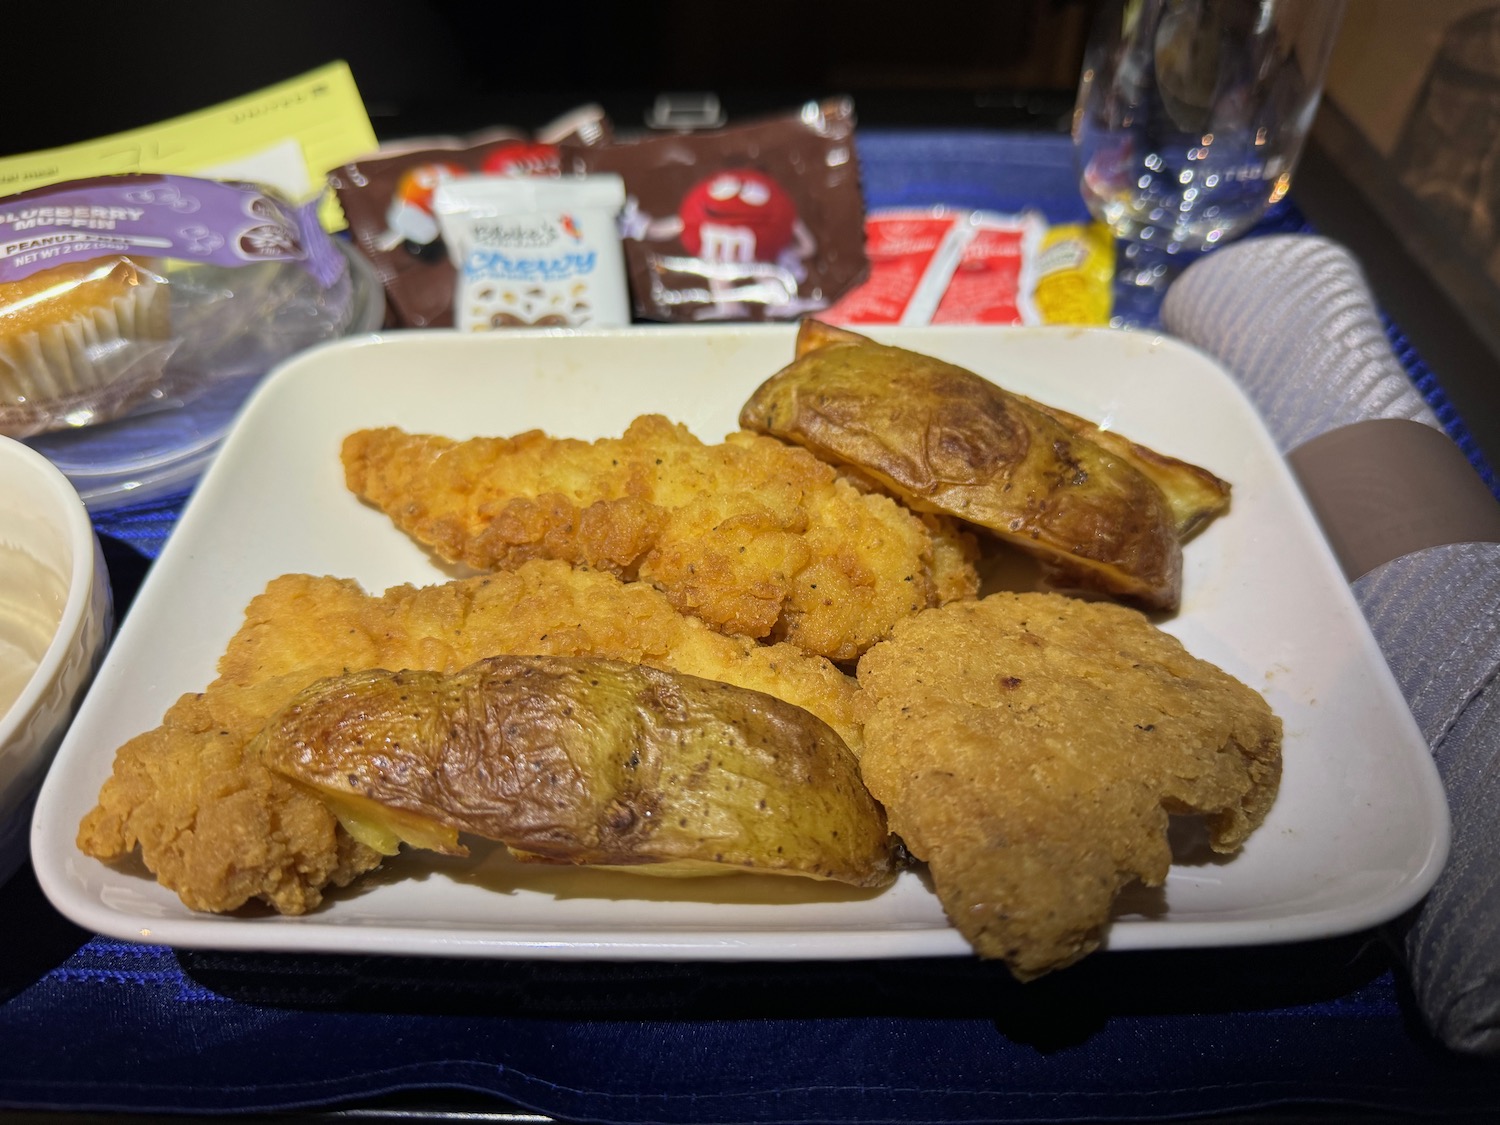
column 938, row 265
column 387, row 200
column 941, row 265
column 991, row 282
column 759, row 221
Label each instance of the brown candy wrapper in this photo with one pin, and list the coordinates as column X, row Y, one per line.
column 387, row 199
column 759, row 221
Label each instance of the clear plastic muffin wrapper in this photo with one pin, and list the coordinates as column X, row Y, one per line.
column 159, row 449
column 128, row 294
column 137, row 312
column 96, row 363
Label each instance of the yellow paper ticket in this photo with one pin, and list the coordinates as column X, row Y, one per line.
column 286, row 136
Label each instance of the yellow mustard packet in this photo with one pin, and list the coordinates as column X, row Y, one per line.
column 285, row 136
column 1074, row 274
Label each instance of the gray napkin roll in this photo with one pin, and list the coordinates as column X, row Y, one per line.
column 1292, row 317
column 1436, row 615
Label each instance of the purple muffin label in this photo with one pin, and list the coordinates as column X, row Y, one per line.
column 156, row 216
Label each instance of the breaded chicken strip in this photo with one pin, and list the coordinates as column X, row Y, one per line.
column 756, row 537
column 214, row 825
column 1029, row 748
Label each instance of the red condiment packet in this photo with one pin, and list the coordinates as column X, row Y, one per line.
column 992, row 282
column 904, row 248
column 940, row 265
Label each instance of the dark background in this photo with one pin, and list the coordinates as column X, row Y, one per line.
column 75, row 71
column 88, row 68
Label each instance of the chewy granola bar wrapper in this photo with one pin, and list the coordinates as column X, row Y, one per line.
column 388, row 201
column 758, row 221
column 534, row 253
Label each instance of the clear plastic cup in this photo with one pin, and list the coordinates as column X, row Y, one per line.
column 1191, row 114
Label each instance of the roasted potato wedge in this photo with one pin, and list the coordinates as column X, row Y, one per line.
column 585, row 761
column 1102, row 512
column 1194, row 494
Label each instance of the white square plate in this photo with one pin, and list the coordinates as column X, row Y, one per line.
column 1358, row 834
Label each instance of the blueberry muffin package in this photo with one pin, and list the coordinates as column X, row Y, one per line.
column 123, row 293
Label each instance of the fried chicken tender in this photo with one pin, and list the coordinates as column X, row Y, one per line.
column 214, row 825
column 1030, row 748
column 754, row 536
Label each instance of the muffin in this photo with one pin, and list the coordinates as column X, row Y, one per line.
column 80, row 343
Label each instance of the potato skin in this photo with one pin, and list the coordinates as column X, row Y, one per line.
column 590, row 761
column 945, row 440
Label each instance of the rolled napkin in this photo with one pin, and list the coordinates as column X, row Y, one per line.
column 1418, row 534
column 1292, row 317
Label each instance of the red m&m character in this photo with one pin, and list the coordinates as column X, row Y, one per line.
column 738, row 215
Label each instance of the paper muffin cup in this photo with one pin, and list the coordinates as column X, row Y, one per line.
column 90, row 365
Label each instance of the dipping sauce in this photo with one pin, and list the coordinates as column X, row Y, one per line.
column 32, row 596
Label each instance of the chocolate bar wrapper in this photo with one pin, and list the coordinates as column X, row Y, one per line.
column 387, row 199
column 757, row 221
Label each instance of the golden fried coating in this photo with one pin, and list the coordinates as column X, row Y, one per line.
column 212, row 824
column 756, row 537
column 218, row 828
column 1101, row 512
column 1030, row 747
column 579, row 760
